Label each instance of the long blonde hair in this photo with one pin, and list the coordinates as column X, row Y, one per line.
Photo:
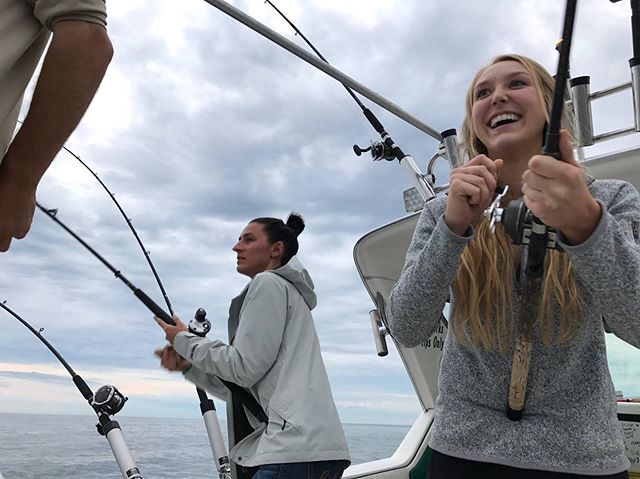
column 481, row 314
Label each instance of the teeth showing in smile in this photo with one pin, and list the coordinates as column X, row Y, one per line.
column 502, row 119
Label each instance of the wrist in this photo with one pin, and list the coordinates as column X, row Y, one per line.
column 582, row 229
column 455, row 228
column 18, row 173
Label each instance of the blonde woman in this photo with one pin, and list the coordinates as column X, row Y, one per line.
column 569, row 428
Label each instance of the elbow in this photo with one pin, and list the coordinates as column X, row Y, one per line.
column 245, row 373
column 106, row 51
column 405, row 339
column 405, row 323
column 88, row 41
column 399, row 331
column 100, row 48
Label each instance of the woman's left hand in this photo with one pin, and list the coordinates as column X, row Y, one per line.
column 557, row 193
column 170, row 330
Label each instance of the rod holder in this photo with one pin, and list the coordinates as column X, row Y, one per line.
column 580, row 95
column 634, row 63
column 379, row 332
column 422, row 185
column 450, row 140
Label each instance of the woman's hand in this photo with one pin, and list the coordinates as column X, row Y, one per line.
column 557, row 193
column 171, row 360
column 170, row 330
column 471, row 191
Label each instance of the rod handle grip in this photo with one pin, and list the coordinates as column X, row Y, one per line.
column 552, row 145
column 82, row 387
column 153, row 306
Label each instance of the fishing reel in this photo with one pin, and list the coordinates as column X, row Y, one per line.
column 379, row 151
column 517, row 220
column 109, row 400
column 200, row 325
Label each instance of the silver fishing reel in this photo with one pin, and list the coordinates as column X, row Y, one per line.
column 379, row 151
column 517, row 220
column 109, row 400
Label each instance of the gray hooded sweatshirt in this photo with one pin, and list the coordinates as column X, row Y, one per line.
column 569, row 423
column 275, row 354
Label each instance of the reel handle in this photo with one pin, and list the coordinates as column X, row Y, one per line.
column 200, row 325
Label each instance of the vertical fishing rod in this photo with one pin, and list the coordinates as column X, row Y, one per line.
column 106, row 402
column 388, row 150
column 525, row 228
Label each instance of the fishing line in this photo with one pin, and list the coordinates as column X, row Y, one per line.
column 349, row 90
column 373, row 120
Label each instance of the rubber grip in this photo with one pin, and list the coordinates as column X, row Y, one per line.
column 153, row 307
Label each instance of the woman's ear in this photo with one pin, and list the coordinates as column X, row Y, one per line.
column 277, row 249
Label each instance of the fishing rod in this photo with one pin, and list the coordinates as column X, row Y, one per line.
column 325, row 67
column 106, row 402
column 130, row 224
column 388, row 149
column 112, row 195
column 525, row 228
column 200, row 326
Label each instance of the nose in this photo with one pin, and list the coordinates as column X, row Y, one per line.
column 499, row 96
column 236, row 247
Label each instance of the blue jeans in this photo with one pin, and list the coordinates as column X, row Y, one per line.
column 302, row 470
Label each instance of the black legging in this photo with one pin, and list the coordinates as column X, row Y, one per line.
column 442, row 466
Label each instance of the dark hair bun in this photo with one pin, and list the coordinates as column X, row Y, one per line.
column 296, row 223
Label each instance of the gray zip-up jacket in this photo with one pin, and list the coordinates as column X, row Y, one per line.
column 569, row 422
column 275, row 353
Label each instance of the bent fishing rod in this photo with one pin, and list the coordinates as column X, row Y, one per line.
column 388, row 149
column 200, row 326
column 106, row 402
column 525, row 228
column 130, row 224
column 112, row 195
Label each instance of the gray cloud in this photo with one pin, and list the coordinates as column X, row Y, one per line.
column 202, row 125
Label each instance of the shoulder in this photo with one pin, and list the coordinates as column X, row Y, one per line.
column 267, row 282
column 618, row 194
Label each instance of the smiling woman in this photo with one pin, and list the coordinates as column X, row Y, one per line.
column 453, row 252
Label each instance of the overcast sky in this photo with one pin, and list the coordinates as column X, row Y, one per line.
column 202, row 124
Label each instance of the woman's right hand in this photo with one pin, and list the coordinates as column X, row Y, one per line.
column 471, row 190
column 171, row 360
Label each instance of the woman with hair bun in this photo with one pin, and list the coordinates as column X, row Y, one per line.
column 274, row 353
